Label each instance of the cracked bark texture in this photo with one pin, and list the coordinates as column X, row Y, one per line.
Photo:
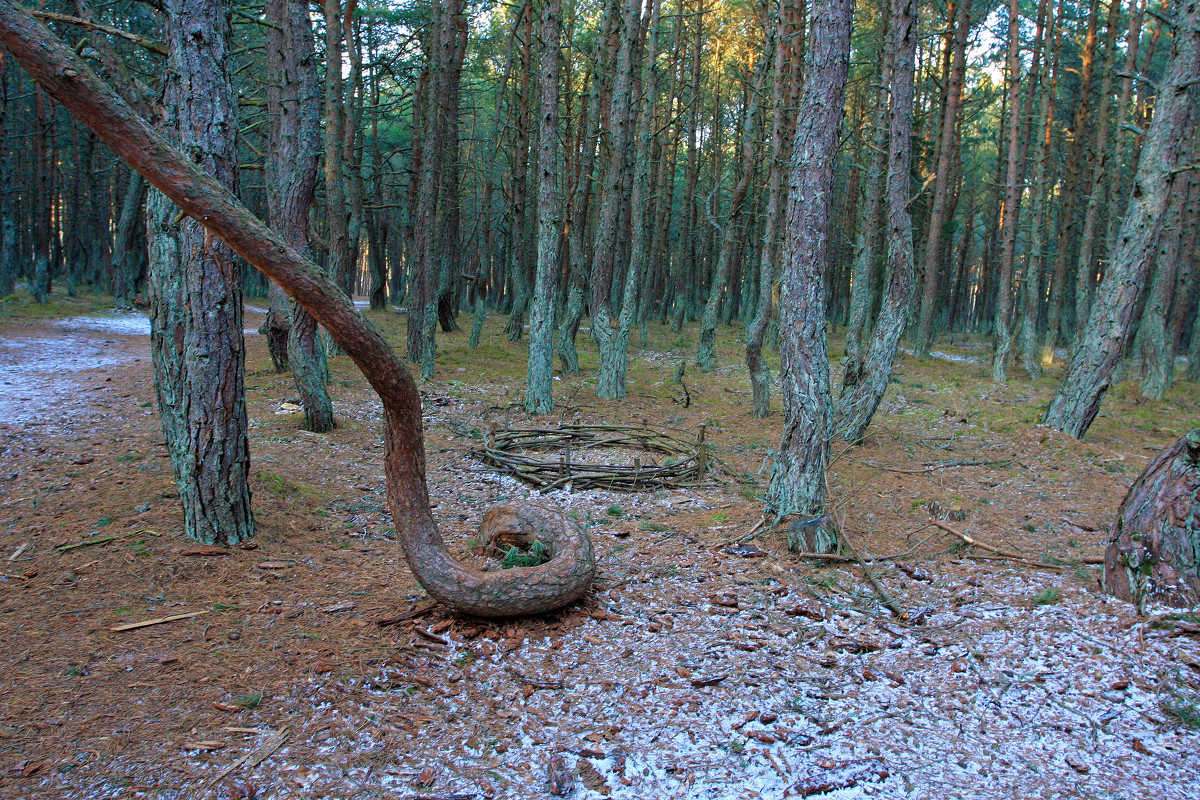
column 1154, row 549
column 521, row 590
column 798, row 474
column 195, row 290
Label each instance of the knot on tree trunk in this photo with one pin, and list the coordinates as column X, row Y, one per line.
column 1154, row 549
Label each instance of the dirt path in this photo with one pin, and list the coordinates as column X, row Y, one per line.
column 692, row 671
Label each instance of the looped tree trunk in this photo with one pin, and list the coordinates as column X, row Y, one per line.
column 518, row 591
column 1154, row 550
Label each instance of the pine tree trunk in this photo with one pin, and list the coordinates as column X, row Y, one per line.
column 291, row 177
column 798, row 474
column 722, row 283
column 195, row 292
column 1070, row 192
column 787, row 76
column 1031, row 356
column 867, row 246
column 947, row 142
column 518, row 591
column 1158, row 346
column 539, row 398
column 857, row 404
column 129, row 244
column 1077, row 402
column 1086, row 266
column 1011, row 208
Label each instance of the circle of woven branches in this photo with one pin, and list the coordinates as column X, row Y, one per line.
column 670, row 462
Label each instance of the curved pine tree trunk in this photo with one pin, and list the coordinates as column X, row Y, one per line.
column 521, row 590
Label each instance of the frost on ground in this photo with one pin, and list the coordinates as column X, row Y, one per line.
column 695, row 669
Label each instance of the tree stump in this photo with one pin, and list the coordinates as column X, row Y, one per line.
column 1154, row 550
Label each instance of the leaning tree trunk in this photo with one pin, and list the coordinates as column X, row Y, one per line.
column 1154, row 550
column 1077, row 402
column 521, row 590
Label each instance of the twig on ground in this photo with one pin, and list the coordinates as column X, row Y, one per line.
column 255, row 757
column 1004, row 553
column 879, row 590
column 419, row 611
column 935, row 466
column 532, row 682
column 158, row 621
column 17, row 553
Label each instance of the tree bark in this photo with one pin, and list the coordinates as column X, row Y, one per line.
column 798, row 474
column 1078, row 400
column 521, row 590
column 129, row 244
column 787, row 76
column 1154, row 547
column 941, row 186
column 195, row 291
column 539, row 399
column 291, row 177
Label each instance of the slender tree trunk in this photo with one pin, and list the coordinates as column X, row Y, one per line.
column 1086, row 266
column 605, row 329
column 1078, row 400
column 520, row 253
column 337, row 218
column 866, row 250
column 721, row 283
column 1010, row 209
column 1031, row 358
column 787, row 63
column 129, row 244
column 8, row 223
column 798, row 474
column 857, row 406
column 941, row 185
column 195, row 292
column 291, row 176
column 539, row 399
column 1071, row 189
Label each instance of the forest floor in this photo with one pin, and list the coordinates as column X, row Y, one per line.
column 699, row 666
